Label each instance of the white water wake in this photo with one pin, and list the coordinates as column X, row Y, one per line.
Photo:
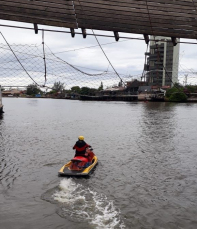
column 83, row 204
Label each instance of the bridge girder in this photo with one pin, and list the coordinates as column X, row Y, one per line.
column 177, row 18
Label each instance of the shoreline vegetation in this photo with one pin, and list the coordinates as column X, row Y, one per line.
column 134, row 91
column 142, row 97
column 151, row 97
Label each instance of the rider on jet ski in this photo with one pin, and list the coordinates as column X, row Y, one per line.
column 80, row 147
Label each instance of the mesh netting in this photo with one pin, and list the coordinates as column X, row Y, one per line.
column 22, row 65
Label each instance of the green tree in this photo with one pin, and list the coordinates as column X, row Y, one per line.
column 33, row 89
column 178, row 97
column 58, row 86
column 100, row 87
column 88, row 91
column 178, row 85
column 85, row 91
column 170, row 91
column 176, row 94
column 191, row 88
column 76, row 89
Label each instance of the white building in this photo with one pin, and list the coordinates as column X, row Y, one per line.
column 162, row 62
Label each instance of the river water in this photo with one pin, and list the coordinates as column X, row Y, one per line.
column 146, row 177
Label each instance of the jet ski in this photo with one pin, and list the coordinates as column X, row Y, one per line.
column 79, row 165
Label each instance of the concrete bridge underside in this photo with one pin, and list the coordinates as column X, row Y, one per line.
column 171, row 18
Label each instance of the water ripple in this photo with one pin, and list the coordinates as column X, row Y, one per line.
column 146, row 176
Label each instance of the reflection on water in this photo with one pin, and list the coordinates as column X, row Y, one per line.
column 158, row 127
column 146, row 176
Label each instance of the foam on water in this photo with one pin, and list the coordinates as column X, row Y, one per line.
column 66, row 193
column 82, row 204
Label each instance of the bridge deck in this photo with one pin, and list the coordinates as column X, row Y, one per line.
column 177, row 18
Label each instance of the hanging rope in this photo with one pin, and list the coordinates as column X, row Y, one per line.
column 44, row 58
column 18, row 60
column 102, row 49
column 108, row 59
column 77, row 69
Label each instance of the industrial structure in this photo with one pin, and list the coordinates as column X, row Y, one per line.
column 162, row 62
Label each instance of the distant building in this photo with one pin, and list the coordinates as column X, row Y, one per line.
column 134, row 85
column 115, row 90
column 162, row 56
column 12, row 92
column 131, row 88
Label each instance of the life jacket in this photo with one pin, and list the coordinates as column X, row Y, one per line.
column 80, row 147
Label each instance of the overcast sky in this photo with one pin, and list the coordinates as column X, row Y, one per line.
column 127, row 56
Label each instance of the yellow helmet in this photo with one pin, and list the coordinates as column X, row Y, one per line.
column 81, row 137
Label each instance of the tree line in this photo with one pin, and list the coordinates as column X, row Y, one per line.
column 59, row 87
column 177, row 93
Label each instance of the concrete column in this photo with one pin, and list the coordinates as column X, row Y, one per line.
column 175, row 66
column 164, row 64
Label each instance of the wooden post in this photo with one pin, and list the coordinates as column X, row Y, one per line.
column 174, row 41
column 146, row 38
column 84, row 32
column 36, row 28
column 72, row 32
column 116, row 35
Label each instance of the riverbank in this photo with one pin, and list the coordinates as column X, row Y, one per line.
column 137, row 98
